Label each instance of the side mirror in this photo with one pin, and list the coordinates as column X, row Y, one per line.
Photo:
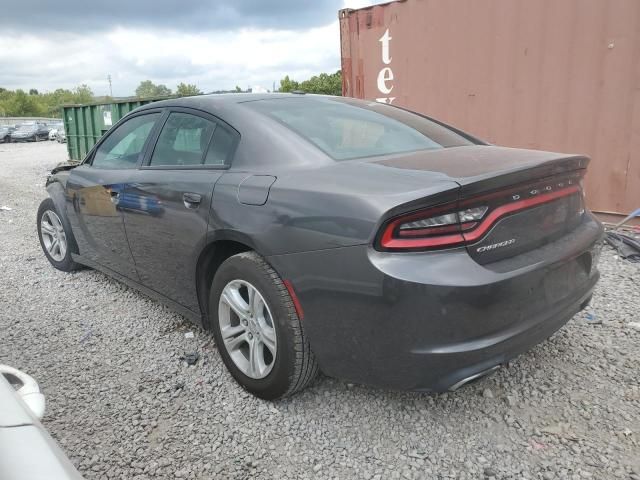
column 26, row 388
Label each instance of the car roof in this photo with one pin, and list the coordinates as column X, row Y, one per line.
column 217, row 100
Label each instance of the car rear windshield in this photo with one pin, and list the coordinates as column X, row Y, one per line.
column 346, row 128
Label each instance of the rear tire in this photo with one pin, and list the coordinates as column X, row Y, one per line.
column 52, row 227
column 293, row 366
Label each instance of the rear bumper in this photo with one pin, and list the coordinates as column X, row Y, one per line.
column 476, row 358
column 427, row 321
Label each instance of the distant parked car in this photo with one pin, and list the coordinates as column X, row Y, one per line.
column 22, row 436
column 5, row 134
column 55, row 129
column 30, row 132
column 61, row 136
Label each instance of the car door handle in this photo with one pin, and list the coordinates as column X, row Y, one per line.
column 191, row 200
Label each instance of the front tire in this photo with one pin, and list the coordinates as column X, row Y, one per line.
column 56, row 238
column 257, row 330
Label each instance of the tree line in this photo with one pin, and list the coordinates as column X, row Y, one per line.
column 18, row 103
column 149, row 89
column 324, row 83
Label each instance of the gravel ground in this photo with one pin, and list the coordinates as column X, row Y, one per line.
column 123, row 405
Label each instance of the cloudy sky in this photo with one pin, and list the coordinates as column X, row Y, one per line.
column 216, row 44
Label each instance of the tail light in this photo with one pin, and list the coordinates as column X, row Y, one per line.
column 467, row 221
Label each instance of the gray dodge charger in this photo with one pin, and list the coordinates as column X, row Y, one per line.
column 322, row 233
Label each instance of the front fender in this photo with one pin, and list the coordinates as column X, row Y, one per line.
column 57, row 192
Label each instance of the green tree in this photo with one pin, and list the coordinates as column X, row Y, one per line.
column 163, row 91
column 325, row 83
column 23, row 105
column 187, row 89
column 33, row 91
column 238, row 89
column 146, row 89
column 83, row 94
column 149, row 89
column 288, row 85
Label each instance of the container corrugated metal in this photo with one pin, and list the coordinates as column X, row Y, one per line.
column 560, row 76
column 85, row 124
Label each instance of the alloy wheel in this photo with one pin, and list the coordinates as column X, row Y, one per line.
column 247, row 329
column 53, row 235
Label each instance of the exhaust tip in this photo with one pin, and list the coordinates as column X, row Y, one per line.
column 473, row 378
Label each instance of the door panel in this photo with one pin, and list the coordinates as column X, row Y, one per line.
column 96, row 220
column 166, row 206
column 95, row 189
column 167, row 229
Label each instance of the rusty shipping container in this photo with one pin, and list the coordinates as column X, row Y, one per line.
column 559, row 75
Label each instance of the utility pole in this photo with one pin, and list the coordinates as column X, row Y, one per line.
column 110, row 89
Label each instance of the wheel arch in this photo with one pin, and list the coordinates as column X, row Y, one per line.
column 222, row 246
column 56, row 190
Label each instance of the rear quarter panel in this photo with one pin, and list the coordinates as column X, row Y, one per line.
column 314, row 209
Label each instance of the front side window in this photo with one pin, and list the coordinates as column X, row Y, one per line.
column 183, row 141
column 122, row 148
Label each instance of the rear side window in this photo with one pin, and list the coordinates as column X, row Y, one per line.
column 345, row 129
column 183, row 141
column 221, row 147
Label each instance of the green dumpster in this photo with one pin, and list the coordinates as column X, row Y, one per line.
column 85, row 124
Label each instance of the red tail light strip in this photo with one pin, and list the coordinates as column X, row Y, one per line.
column 398, row 243
column 389, row 242
column 503, row 210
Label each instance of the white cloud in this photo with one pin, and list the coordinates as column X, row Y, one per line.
column 211, row 60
